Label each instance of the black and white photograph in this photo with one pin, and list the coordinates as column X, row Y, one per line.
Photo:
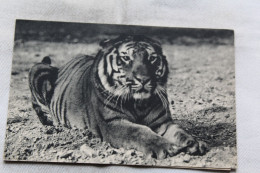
column 123, row 95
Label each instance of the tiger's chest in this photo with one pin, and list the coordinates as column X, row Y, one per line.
column 135, row 111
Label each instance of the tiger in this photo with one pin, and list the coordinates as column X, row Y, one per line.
column 120, row 95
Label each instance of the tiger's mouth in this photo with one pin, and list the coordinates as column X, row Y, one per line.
column 141, row 95
column 140, row 91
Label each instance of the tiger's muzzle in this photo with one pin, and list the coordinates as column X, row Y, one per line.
column 141, row 87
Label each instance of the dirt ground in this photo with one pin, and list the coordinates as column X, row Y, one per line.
column 201, row 90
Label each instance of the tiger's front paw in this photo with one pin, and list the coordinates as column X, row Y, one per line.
column 185, row 141
column 198, row 148
column 160, row 149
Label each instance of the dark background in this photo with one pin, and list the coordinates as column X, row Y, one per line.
column 88, row 33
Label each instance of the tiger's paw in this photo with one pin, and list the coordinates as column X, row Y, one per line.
column 160, row 149
column 185, row 141
column 198, row 148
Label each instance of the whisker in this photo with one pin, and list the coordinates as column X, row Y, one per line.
column 117, row 101
column 165, row 100
column 121, row 107
column 158, row 94
column 111, row 96
column 108, row 99
column 162, row 98
column 120, row 92
column 162, row 88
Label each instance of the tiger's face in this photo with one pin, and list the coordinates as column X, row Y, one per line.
column 134, row 68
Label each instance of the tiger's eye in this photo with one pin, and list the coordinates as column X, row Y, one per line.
column 153, row 58
column 126, row 58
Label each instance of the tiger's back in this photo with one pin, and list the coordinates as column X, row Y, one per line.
column 69, row 104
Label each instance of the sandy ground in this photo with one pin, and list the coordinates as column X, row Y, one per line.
column 201, row 92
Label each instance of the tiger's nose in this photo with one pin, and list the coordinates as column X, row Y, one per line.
column 142, row 79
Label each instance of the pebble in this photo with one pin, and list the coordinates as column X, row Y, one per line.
column 87, row 150
column 227, row 116
column 65, row 155
column 16, row 119
column 187, row 158
column 130, row 153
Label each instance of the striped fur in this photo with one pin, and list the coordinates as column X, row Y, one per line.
column 42, row 77
column 120, row 95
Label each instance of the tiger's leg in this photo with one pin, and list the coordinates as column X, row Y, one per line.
column 179, row 137
column 122, row 133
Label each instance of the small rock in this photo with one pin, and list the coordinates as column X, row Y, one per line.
column 15, row 73
column 66, row 155
column 22, row 110
column 118, row 151
column 220, row 79
column 48, row 146
column 88, row 151
column 227, row 116
column 113, row 152
column 187, row 158
column 16, row 119
column 209, row 101
column 130, row 153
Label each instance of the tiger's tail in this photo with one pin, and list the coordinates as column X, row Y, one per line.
column 42, row 78
column 46, row 60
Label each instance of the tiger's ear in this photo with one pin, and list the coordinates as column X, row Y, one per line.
column 104, row 43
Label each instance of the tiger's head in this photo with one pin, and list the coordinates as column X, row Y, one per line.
column 133, row 67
